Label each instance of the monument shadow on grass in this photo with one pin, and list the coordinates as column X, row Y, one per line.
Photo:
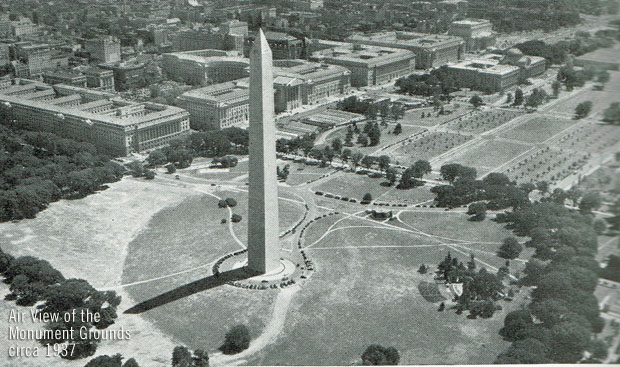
column 189, row 289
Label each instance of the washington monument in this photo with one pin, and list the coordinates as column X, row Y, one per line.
column 263, row 223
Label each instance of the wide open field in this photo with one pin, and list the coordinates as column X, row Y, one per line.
column 362, row 296
column 538, row 129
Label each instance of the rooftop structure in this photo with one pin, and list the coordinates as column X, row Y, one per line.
column 431, row 50
column 283, row 45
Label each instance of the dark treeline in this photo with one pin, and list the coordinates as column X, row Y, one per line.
column 525, row 15
column 39, row 168
column 583, row 43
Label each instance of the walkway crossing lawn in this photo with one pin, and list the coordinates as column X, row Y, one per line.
column 490, row 154
column 353, row 186
column 538, row 129
column 370, row 296
column 454, row 225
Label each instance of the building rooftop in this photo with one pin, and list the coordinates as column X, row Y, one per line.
column 406, row 39
column 486, row 66
column 218, row 93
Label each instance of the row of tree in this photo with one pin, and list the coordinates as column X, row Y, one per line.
column 559, row 324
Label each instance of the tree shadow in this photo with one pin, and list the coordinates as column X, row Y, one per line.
column 189, row 289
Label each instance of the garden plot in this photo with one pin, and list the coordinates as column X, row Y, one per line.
column 428, row 146
column 547, row 164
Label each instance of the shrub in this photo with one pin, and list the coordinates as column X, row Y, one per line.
column 235, row 218
column 237, row 340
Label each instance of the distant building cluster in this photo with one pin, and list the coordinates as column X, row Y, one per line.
column 115, row 126
column 296, row 83
column 431, row 50
column 369, row 65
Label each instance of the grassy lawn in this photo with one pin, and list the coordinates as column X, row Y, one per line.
column 490, row 154
column 411, row 196
column 371, row 296
column 537, row 129
column 202, row 319
column 427, row 147
column 353, row 186
column 300, row 173
column 483, row 121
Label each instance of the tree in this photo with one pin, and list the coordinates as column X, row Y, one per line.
column 200, row 358
column 478, row 211
column 236, row 218
column 583, row 109
column 362, row 140
column 398, row 129
column 612, row 114
column 510, row 248
column 420, row 168
column 106, row 361
column 237, row 339
column 476, row 101
column 367, row 198
column 555, row 87
column 518, row 97
column 603, row 77
column 591, row 200
column 356, row 158
column 390, row 174
column 156, row 158
column 368, row 161
column 374, row 135
column 527, row 351
column 384, row 162
column 131, row 363
column 337, row 145
column 171, row 168
column 181, row 357
column 378, row 355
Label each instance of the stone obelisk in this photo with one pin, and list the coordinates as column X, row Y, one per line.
column 263, row 223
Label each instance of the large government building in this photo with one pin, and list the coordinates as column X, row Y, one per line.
column 205, row 66
column 369, row 65
column 217, row 106
column 431, row 50
column 115, row 126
